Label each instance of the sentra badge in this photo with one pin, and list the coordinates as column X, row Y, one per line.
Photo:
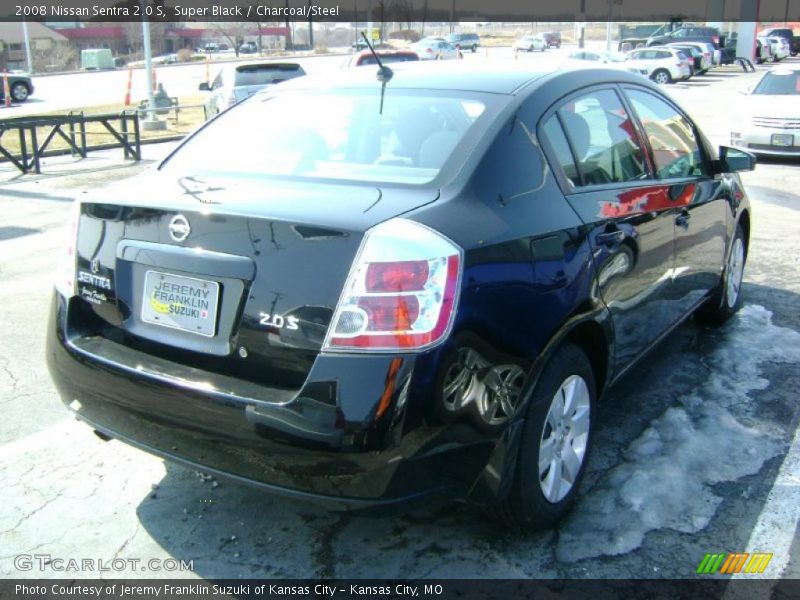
column 99, row 281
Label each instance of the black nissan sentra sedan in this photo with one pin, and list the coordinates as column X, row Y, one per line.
column 372, row 292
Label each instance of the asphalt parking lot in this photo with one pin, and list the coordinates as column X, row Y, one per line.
column 698, row 452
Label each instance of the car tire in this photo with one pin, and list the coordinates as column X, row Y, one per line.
column 661, row 76
column 539, row 498
column 543, row 48
column 474, row 48
column 20, row 92
column 727, row 297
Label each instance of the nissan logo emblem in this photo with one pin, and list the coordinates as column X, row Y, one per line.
column 179, row 228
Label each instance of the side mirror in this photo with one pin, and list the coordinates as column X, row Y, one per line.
column 733, row 160
column 204, row 87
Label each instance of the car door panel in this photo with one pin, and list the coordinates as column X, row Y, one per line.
column 700, row 216
column 628, row 215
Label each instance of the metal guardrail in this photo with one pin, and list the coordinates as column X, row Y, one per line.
column 123, row 127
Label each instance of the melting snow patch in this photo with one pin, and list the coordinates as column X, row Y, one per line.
column 666, row 477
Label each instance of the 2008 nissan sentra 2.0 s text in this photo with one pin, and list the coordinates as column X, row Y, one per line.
column 368, row 294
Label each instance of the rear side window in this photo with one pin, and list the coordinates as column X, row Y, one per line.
column 676, row 151
column 602, row 138
column 558, row 141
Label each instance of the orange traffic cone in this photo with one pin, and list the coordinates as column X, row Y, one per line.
column 128, row 91
column 6, row 90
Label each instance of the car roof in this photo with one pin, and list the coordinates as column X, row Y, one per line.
column 452, row 76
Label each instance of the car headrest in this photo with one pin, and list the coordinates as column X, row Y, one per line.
column 436, row 148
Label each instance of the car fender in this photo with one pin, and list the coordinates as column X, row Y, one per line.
column 496, row 479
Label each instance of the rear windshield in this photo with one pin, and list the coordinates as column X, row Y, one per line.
column 779, row 83
column 339, row 135
column 265, row 74
column 368, row 59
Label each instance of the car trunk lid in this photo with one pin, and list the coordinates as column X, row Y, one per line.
column 239, row 276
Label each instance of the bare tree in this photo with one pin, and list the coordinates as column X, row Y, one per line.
column 133, row 36
column 234, row 32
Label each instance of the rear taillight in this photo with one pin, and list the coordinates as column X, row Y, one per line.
column 715, row 38
column 429, row 50
column 65, row 277
column 401, row 292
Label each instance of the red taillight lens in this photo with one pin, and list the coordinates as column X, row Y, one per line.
column 405, row 276
column 715, row 38
column 390, row 313
column 406, row 302
column 429, row 50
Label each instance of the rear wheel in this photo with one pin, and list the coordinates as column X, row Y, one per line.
column 662, row 76
column 474, row 48
column 555, row 444
column 20, row 92
column 727, row 298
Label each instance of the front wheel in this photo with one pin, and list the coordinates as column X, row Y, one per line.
column 727, row 298
column 662, row 76
column 555, row 443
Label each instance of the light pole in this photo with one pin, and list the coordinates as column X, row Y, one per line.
column 27, row 46
column 151, row 122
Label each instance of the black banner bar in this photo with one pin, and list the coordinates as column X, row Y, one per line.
column 400, row 11
column 426, row 589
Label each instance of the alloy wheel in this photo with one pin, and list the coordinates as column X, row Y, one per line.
column 735, row 273
column 19, row 92
column 564, row 440
column 502, row 388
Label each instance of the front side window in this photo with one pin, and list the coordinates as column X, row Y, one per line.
column 676, row 151
column 603, row 140
column 341, row 135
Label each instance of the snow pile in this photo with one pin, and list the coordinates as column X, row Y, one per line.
column 666, row 477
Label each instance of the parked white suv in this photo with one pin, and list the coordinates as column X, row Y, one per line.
column 663, row 64
column 780, row 47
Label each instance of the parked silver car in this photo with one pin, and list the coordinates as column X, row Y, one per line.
column 234, row 83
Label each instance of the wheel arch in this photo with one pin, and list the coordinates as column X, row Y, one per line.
column 744, row 222
column 593, row 333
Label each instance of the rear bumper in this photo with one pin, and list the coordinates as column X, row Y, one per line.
column 355, row 436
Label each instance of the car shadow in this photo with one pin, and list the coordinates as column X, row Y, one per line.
column 230, row 530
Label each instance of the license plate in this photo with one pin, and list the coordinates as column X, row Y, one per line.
column 782, row 139
column 179, row 302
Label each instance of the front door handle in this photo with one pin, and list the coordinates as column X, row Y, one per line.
column 682, row 220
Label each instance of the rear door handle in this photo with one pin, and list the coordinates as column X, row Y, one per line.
column 611, row 238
